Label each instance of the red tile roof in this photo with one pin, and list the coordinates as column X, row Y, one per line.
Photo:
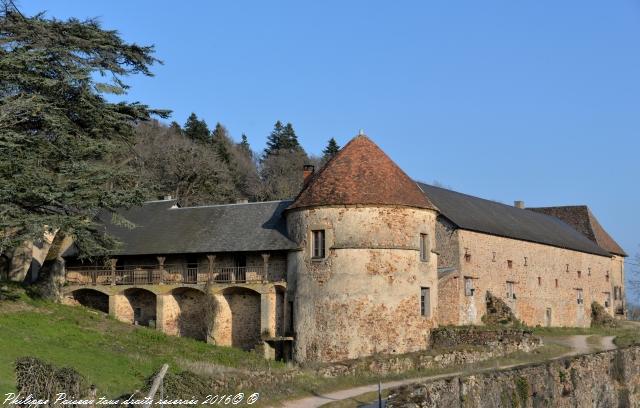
column 582, row 219
column 361, row 173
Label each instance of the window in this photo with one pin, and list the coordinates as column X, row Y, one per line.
column 579, row 274
column 588, row 271
column 509, row 264
column 580, row 298
column 607, row 276
column 526, row 261
column 607, row 299
column 425, row 302
column 539, row 281
column 317, row 244
column 467, row 257
column 424, row 247
column 567, row 267
column 468, row 287
column 494, row 257
column 617, row 293
column 556, row 283
column 511, row 294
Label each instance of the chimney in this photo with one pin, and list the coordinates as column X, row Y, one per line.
column 242, row 201
column 307, row 172
column 518, row 204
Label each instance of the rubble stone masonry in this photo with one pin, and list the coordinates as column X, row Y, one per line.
column 365, row 295
column 543, row 285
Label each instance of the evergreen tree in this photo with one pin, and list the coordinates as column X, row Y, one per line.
column 244, row 145
column 222, row 143
column 289, row 139
column 274, row 141
column 197, row 129
column 331, row 150
column 58, row 132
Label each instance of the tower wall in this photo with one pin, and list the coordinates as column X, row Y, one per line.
column 365, row 295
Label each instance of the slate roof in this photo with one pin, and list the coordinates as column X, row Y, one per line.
column 480, row 215
column 582, row 219
column 163, row 228
column 361, row 173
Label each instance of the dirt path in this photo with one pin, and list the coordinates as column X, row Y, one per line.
column 577, row 343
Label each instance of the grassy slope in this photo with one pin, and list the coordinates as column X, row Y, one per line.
column 117, row 357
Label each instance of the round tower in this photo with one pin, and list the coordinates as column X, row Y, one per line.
column 365, row 277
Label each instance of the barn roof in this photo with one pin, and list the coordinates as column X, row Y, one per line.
column 361, row 173
column 164, row 228
column 490, row 217
column 582, row 219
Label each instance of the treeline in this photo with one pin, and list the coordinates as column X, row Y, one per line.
column 203, row 166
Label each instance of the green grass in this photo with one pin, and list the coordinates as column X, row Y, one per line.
column 626, row 335
column 116, row 357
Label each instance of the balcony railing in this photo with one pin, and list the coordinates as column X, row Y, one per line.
column 173, row 274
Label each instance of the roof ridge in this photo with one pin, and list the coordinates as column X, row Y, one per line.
column 231, row 204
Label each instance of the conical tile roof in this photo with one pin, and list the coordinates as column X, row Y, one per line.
column 361, row 174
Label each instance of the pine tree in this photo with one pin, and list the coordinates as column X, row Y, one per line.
column 197, row 129
column 331, row 150
column 222, row 143
column 175, row 127
column 274, row 141
column 59, row 135
column 245, row 146
column 289, row 140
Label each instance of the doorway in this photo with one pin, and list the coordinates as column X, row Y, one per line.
column 240, row 262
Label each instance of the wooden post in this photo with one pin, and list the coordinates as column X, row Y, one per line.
column 212, row 265
column 113, row 262
column 161, row 260
column 156, row 384
column 265, row 267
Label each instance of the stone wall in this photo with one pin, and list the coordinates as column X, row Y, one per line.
column 136, row 301
column 606, row 379
column 184, row 314
column 349, row 304
column 237, row 318
column 544, row 279
column 477, row 336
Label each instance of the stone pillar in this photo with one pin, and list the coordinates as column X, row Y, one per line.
column 212, row 266
column 161, row 260
column 265, row 267
column 160, row 312
column 113, row 300
column 268, row 314
column 113, row 262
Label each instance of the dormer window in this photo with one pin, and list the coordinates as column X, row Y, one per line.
column 317, row 244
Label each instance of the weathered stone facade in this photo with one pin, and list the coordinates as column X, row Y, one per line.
column 606, row 379
column 349, row 303
column 547, row 281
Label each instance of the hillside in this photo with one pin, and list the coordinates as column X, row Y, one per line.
column 114, row 356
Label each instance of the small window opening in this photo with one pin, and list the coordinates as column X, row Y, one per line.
column 494, row 257
column 509, row 264
column 468, row 287
column 526, row 261
column 424, row 247
column 580, row 298
column 588, row 271
column 467, row 257
column 539, row 280
column 425, row 302
column 511, row 294
column 318, row 242
column 567, row 267
column 579, row 274
column 556, row 283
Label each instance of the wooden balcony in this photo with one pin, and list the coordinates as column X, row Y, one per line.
column 176, row 274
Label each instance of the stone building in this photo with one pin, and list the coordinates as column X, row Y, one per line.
column 363, row 260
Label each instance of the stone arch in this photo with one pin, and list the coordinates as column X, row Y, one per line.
column 91, row 298
column 237, row 318
column 138, row 306
column 184, row 312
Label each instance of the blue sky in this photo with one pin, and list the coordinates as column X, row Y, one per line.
column 536, row 101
